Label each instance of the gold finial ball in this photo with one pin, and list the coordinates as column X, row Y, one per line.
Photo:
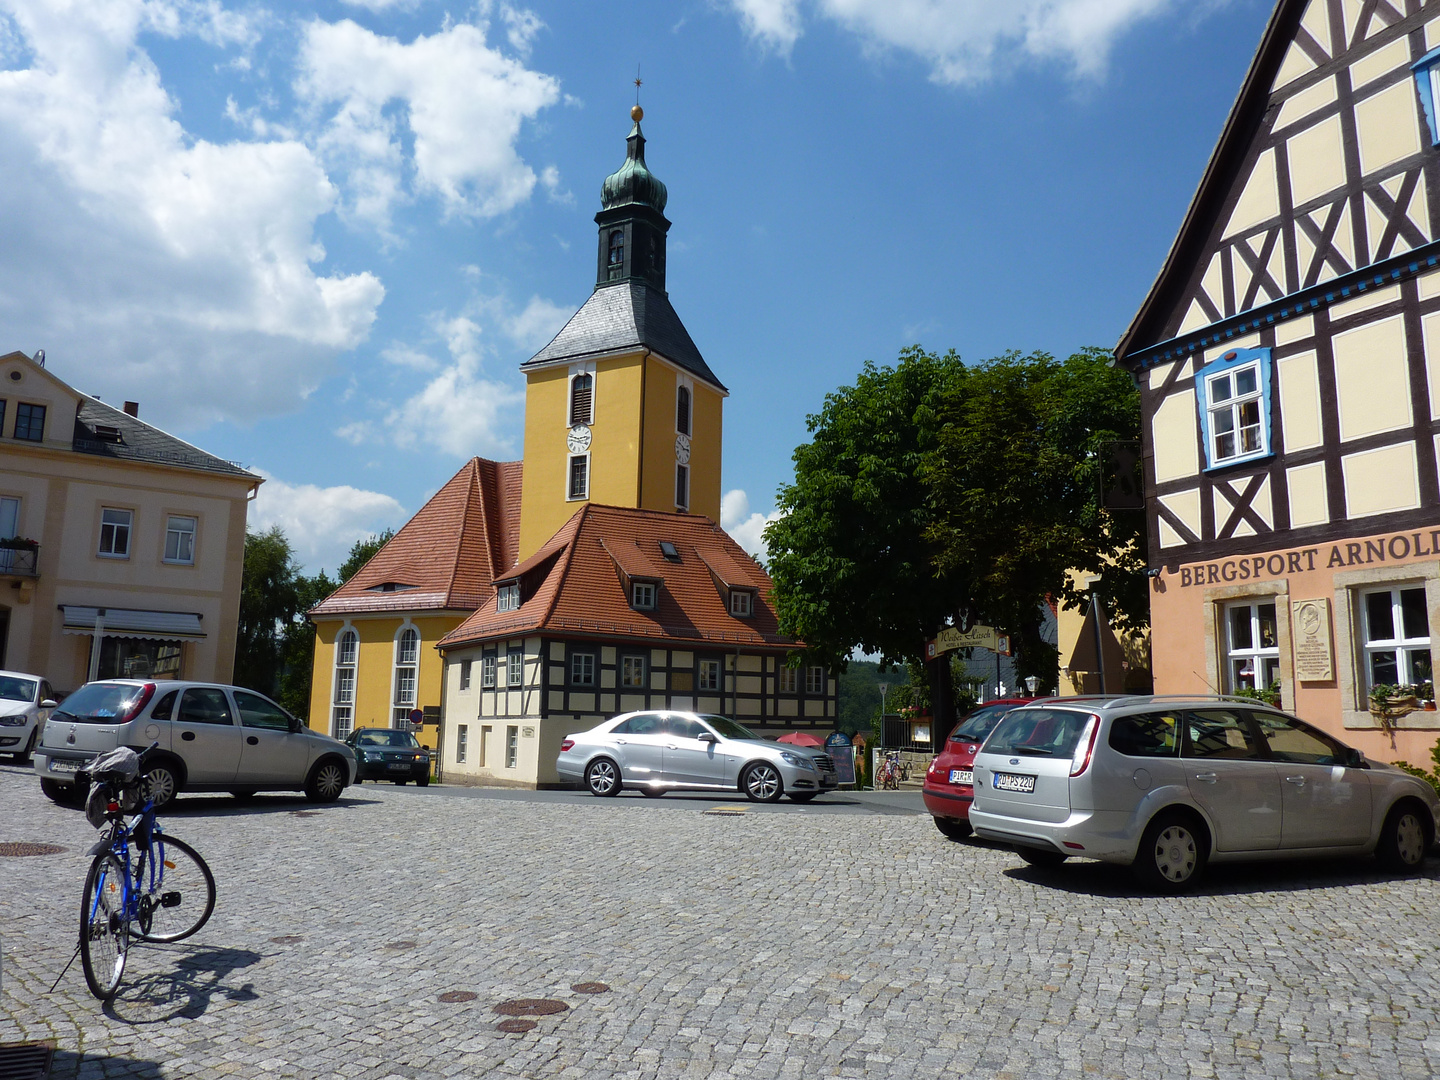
column 637, row 113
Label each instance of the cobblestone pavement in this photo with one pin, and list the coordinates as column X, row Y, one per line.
column 759, row 945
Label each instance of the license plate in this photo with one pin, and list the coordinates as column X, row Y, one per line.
column 57, row 765
column 962, row 776
column 1005, row 781
column 398, row 765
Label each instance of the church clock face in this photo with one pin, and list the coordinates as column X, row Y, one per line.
column 682, row 449
column 579, row 439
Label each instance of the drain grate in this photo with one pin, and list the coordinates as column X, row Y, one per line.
column 304, row 813
column 25, row 1061
column 531, row 1007
column 19, row 849
column 401, row 944
column 515, row 1027
column 590, row 988
column 287, row 939
column 452, row 996
column 726, row 811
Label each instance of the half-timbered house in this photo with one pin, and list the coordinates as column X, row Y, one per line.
column 1289, row 363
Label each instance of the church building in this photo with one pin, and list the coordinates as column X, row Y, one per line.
column 531, row 601
column 1288, row 357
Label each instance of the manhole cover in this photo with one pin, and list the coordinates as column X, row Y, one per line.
column 25, row 1061
column 400, row 944
column 590, row 988
column 287, row 939
column 515, row 1027
column 531, row 1007
column 15, row 850
column 452, row 996
column 304, row 813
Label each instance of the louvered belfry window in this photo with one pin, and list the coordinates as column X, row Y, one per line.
column 582, row 392
column 682, row 411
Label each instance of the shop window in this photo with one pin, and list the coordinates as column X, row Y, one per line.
column 138, row 658
column 1397, row 637
column 710, row 675
column 632, row 672
column 1233, row 394
column 1252, row 646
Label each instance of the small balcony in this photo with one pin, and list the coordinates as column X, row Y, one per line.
column 19, row 562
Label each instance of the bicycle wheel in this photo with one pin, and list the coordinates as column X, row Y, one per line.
column 104, row 933
column 176, row 895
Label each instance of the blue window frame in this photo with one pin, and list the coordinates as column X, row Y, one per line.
column 1427, row 84
column 1233, row 396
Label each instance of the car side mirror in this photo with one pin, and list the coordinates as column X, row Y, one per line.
column 49, row 703
column 296, row 725
column 706, row 736
column 1354, row 759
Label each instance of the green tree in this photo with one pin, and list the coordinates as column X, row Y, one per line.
column 269, row 604
column 361, row 552
column 299, row 646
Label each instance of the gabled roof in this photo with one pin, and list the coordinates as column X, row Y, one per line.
column 139, row 441
column 630, row 315
column 1244, row 121
column 448, row 555
column 583, row 594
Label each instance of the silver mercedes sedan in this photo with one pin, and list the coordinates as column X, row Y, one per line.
column 656, row 752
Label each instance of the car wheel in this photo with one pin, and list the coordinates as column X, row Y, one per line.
column 422, row 781
column 62, row 794
column 953, row 829
column 1172, row 854
column 762, row 782
column 24, row 755
column 602, row 777
column 804, row 796
column 1404, row 838
column 161, row 785
column 1043, row 857
column 326, row 782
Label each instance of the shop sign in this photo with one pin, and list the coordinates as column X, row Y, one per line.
column 951, row 638
column 1310, row 623
column 1398, row 548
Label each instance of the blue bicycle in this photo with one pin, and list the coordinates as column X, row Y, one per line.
column 164, row 892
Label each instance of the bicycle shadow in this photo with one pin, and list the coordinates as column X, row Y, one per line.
column 69, row 1064
column 198, row 975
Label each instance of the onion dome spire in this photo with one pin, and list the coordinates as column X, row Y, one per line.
column 633, row 184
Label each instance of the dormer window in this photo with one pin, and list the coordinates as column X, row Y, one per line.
column 642, row 595
column 390, row 587
column 582, row 399
column 507, row 598
column 682, row 411
column 107, row 433
column 616, row 260
column 742, row 603
column 1234, row 401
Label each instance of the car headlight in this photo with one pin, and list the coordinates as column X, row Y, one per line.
column 419, row 757
column 369, row 757
column 798, row 761
column 13, row 721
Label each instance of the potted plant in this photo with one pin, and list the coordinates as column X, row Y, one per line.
column 19, row 543
column 1389, row 702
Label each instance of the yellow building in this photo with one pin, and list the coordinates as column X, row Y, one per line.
column 121, row 546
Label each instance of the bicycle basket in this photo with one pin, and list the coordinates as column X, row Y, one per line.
column 118, row 766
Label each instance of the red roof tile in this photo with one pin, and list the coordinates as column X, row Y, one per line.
column 449, row 553
column 578, row 591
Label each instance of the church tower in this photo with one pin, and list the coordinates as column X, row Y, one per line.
column 621, row 408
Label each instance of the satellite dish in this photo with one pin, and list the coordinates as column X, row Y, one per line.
column 40, row 357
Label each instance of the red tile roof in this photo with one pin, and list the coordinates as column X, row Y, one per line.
column 574, row 586
column 449, row 553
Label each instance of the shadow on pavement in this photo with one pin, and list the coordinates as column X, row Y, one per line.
column 197, row 976
column 68, row 1065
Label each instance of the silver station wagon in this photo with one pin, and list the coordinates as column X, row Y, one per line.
column 656, row 752
column 1166, row 785
column 211, row 738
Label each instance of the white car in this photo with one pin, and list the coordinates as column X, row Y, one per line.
column 25, row 704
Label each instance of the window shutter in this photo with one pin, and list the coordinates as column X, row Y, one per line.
column 581, row 395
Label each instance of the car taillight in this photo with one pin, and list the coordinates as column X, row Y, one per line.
column 1085, row 748
column 566, row 745
column 146, row 693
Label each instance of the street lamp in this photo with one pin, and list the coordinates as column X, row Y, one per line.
column 1030, row 683
column 884, row 687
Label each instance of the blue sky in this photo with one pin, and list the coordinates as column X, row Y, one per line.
column 319, row 238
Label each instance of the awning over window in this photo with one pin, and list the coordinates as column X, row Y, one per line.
column 128, row 622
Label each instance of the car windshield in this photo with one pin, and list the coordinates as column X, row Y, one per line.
column 729, row 728
column 1038, row 733
column 385, row 738
column 13, row 689
column 980, row 723
column 99, row 703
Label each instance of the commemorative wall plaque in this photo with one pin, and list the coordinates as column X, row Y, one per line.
column 1310, row 622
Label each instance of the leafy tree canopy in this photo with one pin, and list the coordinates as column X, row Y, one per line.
column 269, row 602
column 935, row 492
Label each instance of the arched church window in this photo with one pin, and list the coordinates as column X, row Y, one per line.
column 582, row 394
column 617, row 253
column 682, row 411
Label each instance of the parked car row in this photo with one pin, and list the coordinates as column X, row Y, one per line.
column 1168, row 785
column 25, row 705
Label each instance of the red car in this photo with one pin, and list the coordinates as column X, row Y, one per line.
column 949, row 790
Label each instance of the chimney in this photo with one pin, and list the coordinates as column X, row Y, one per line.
column 132, row 408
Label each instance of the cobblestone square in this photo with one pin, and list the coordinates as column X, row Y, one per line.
column 841, row 942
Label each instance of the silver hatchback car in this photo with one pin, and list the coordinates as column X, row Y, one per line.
column 656, row 752
column 210, row 738
column 1166, row 785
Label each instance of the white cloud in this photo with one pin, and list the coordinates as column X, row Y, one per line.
column 773, row 23
column 159, row 266
column 322, row 523
column 967, row 41
column 746, row 528
column 537, row 323
column 404, row 356
column 461, row 101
